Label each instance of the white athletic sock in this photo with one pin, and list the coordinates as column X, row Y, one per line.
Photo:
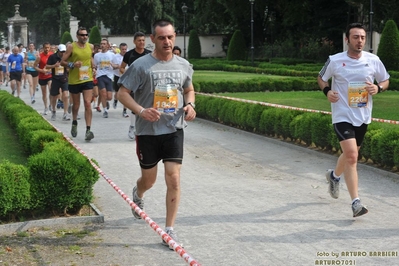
column 355, row 199
column 168, row 228
column 336, row 176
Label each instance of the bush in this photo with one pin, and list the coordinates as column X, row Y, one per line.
column 213, row 108
column 14, row 188
column 374, row 147
column 27, row 126
column 40, row 137
column 95, row 35
column 300, row 127
column 267, row 121
column 286, row 120
column 386, row 145
column 396, row 155
column 194, row 45
column 388, row 48
column 365, row 149
column 320, row 135
column 253, row 116
column 15, row 111
column 66, row 37
column 237, row 47
column 60, row 184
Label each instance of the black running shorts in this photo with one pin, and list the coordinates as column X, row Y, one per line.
column 151, row 149
column 346, row 130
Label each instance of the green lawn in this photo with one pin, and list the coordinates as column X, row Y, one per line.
column 10, row 149
column 385, row 104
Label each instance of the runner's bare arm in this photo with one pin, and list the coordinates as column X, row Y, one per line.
column 122, row 67
column 67, row 54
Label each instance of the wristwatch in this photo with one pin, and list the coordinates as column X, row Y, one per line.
column 192, row 104
column 380, row 88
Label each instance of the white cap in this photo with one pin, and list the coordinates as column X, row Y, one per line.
column 114, row 45
column 62, row 48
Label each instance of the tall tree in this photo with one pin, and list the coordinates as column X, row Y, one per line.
column 237, row 49
column 388, row 49
column 66, row 37
column 64, row 17
column 95, row 35
column 194, row 45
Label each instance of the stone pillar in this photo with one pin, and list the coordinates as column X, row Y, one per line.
column 73, row 24
column 17, row 21
column 10, row 34
column 24, row 34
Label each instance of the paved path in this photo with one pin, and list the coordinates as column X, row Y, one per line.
column 246, row 200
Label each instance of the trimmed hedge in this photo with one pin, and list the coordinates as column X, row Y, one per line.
column 302, row 76
column 58, row 178
column 380, row 145
column 14, row 189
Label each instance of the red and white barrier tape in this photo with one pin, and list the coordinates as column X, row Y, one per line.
column 289, row 107
column 179, row 250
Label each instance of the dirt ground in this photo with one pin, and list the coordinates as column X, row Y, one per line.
column 60, row 245
column 55, row 245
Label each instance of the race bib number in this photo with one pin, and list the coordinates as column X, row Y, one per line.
column 59, row 71
column 357, row 94
column 84, row 73
column 31, row 63
column 13, row 64
column 105, row 64
column 166, row 98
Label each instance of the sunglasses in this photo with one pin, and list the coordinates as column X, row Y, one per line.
column 83, row 35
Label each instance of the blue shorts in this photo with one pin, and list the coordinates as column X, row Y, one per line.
column 104, row 82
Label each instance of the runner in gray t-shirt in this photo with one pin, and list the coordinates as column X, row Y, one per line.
column 150, row 79
column 163, row 98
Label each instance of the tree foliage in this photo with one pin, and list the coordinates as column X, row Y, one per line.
column 194, row 45
column 64, row 17
column 291, row 21
column 388, row 49
column 95, row 35
column 237, row 49
column 66, row 37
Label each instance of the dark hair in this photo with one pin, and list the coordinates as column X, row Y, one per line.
column 160, row 23
column 138, row 34
column 80, row 28
column 176, row 48
column 19, row 45
column 354, row 25
column 122, row 44
column 45, row 43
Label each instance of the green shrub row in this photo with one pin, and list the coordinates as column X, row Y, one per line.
column 312, row 129
column 306, row 73
column 57, row 177
column 292, row 84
